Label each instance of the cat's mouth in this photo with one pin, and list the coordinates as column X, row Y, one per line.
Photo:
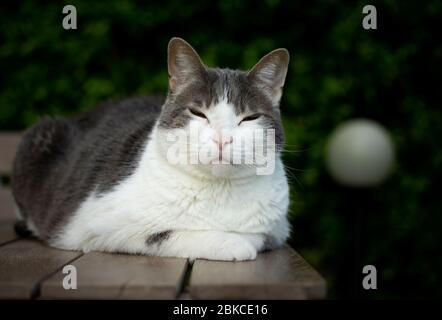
column 220, row 160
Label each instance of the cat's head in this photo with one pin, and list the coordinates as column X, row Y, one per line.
column 213, row 117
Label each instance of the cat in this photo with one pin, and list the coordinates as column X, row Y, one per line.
column 102, row 181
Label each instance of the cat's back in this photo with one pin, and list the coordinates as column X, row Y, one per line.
column 112, row 138
column 60, row 161
column 120, row 114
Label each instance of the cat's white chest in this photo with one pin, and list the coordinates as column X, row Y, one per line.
column 247, row 206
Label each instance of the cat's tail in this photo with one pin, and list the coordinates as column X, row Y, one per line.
column 20, row 226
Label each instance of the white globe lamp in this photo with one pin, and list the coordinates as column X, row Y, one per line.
column 360, row 153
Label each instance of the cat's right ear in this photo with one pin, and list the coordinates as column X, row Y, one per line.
column 183, row 63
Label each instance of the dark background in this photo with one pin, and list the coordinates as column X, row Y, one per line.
column 338, row 71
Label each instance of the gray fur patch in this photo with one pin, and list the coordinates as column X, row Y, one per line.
column 158, row 238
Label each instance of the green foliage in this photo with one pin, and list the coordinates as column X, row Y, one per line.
column 338, row 71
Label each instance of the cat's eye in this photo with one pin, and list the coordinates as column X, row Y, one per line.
column 197, row 113
column 250, row 118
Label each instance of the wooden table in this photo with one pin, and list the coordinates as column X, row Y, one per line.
column 32, row 270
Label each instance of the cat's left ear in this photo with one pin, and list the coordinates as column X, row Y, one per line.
column 270, row 72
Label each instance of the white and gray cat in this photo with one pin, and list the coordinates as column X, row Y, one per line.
column 102, row 181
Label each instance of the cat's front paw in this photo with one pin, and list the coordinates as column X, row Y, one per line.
column 233, row 250
column 231, row 247
column 210, row 245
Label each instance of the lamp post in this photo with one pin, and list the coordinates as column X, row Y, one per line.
column 360, row 155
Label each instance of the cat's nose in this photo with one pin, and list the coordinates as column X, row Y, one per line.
column 222, row 140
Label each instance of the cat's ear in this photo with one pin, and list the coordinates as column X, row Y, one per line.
column 183, row 64
column 270, row 72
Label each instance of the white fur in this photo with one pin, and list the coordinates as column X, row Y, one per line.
column 210, row 217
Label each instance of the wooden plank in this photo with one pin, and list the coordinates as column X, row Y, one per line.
column 8, row 145
column 120, row 276
column 7, row 216
column 24, row 263
column 278, row 274
column 7, row 233
column 7, row 211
